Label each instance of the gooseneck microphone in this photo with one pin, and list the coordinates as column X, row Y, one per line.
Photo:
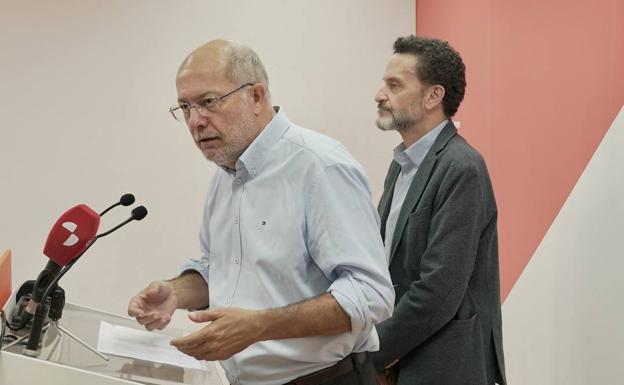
column 31, row 349
column 125, row 200
column 136, row 214
column 69, row 237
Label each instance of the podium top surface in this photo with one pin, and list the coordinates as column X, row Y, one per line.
column 84, row 323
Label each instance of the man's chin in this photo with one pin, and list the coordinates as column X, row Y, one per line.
column 214, row 157
column 384, row 125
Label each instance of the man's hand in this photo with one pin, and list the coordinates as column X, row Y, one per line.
column 154, row 305
column 230, row 331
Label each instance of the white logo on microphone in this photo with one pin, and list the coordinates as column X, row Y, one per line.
column 73, row 238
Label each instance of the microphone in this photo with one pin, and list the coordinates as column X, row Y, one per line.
column 71, row 234
column 68, row 238
column 125, row 200
column 31, row 349
column 137, row 214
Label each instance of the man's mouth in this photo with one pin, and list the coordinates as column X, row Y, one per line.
column 208, row 139
column 208, row 142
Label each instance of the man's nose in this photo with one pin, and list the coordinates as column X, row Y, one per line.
column 381, row 96
column 196, row 119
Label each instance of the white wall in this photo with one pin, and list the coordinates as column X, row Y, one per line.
column 84, row 91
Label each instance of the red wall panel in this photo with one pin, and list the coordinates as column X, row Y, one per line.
column 545, row 81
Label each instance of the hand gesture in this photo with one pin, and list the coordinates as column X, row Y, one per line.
column 230, row 331
column 154, row 305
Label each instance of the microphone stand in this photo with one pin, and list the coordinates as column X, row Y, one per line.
column 36, row 331
column 32, row 348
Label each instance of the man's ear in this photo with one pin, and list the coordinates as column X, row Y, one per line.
column 434, row 96
column 259, row 95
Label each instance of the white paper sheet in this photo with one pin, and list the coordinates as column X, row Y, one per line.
column 143, row 345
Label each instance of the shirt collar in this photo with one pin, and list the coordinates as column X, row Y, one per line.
column 251, row 159
column 413, row 156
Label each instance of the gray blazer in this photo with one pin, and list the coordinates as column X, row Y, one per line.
column 446, row 326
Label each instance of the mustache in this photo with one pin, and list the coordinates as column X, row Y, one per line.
column 383, row 107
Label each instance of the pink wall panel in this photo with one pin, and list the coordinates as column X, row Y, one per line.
column 545, row 81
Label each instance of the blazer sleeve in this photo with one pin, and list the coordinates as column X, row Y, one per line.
column 457, row 221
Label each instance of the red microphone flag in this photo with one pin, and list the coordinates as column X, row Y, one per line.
column 71, row 234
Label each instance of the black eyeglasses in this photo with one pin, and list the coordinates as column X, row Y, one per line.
column 182, row 111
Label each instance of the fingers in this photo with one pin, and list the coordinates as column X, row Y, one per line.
column 145, row 319
column 205, row 315
column 225, row 334
column 196, row 345
column 189, row 341
column 159, row 324
column 135, row 311
column 136, row 307
column 208, row 350
column 155, row 291
column 206, row 354
column 150, row 297
column 154, row 320
column 198, row 337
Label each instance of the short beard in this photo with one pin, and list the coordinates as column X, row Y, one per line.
column 398, row 122
column 239, row 138
column 238, row 141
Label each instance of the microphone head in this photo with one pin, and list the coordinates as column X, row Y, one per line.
column 71, row 234
column 126, row 199
column 139, row 213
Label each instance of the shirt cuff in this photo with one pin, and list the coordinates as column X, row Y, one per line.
column 345, row 294
column 197, row 266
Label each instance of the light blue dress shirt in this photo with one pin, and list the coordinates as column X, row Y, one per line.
column 409, row 159
column 293, row 221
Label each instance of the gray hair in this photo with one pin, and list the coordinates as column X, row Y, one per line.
column 242, row 64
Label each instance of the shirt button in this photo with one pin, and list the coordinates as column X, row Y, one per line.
column 228, row 300
column 238, row 181
column 235, row 260
column 236, row 220
column 253, row 172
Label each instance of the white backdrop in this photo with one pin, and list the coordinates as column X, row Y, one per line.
column 84, row 91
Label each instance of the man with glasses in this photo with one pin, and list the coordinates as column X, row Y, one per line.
column 292, row 274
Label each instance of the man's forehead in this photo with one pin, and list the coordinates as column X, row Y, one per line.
column 200, row 64
column 189, row 77
column 401, row 65
column 192, row 84
column 201, row 69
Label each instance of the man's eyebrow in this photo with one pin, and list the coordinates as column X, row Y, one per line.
column 200, row 96
column 392, row 79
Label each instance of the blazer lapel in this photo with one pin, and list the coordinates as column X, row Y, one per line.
column 420, row 182
column 386, row 198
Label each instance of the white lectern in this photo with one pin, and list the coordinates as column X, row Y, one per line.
column 64, row 361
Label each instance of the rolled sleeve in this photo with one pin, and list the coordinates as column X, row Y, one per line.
column 345, row 242
column 197, row 266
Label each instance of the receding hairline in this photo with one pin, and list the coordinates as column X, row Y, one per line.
column 237, row 61
column 209, row 54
